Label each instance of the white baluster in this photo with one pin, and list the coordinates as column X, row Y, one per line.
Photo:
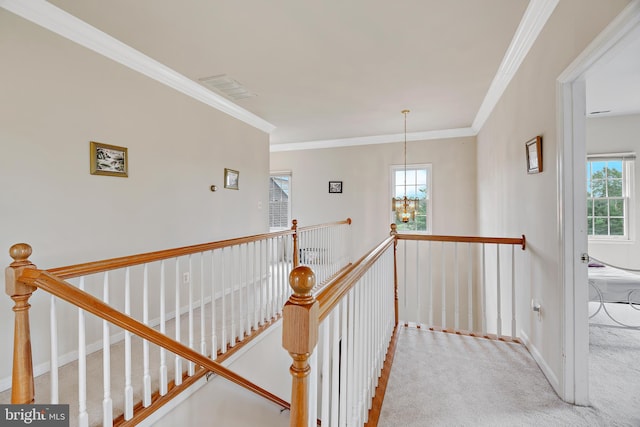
column 240, row 270
column 83, row 415
column 344, row 362
column 223, row 319
column 418, row 296
column 335, row 367
column 128, row 388
column 351, row 398
column 261, row 287
column 146, row 398
column 242, row 287
column 247, row 289
column 214, row 336
column 469, row 288
column 313, row 391
column 203, row 339
column 191, row 368
column 325, row 401
column 483, row 291
column 513, row 293
column 164, row 380
column 444, row 288
column 53, row 323
column 177, row 359
column 456, row 324
column 272, row 280
column 255, row 275
column 431, row 324
column 107, row 403
column 232, row 284
column 498, row 293
column 404, row 280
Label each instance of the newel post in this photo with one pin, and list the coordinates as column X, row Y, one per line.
column 299, row 338
column 22, row 390
column 294, row 227
column 394, row 232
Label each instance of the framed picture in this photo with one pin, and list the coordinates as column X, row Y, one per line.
column 231, row 178
column 335, row 186
column 534, row 155
column 108, row 160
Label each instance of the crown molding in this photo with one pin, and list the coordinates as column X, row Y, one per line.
column 378, row 139
column 533, row 20
column 68, row 26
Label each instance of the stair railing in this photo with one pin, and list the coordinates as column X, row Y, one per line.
column 460, row 284
column 229, row 291
column 352, row 318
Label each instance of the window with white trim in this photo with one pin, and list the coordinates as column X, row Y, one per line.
column 279, row 201
column 416, row 184
column 609, row 183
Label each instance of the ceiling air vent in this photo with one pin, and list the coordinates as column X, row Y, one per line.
column 227, row 86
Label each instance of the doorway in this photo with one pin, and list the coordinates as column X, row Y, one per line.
column 572, row 201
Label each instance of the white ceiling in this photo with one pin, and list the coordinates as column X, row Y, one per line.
column 613, row 84
column 327, row 70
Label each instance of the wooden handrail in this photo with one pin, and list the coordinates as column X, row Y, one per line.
column 339, row 286
column 325, row 225
column 522, row 241
column 63, row 290
column 77, row 270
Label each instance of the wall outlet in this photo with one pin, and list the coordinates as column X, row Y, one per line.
column 186, row 278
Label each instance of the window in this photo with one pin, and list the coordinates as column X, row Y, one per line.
column 417, row 185
column 608, row 195
column 279, row 201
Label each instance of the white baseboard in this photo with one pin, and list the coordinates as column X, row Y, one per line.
column 542, row 364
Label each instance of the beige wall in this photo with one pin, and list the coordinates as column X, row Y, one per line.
column 56, row 97
column 618, row 134
column 510, row 202
column 366, row 196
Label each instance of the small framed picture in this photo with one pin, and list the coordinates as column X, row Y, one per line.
column 534, row 155
column 335, row 186
column 108, row 159
column 231, row 178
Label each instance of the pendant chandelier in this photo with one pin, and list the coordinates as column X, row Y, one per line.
column 404, row 207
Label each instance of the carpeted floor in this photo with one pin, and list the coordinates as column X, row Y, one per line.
column 442, row 379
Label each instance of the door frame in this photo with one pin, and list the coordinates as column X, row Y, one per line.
column 572, row 223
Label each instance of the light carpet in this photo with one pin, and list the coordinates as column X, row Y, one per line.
column 440, row 379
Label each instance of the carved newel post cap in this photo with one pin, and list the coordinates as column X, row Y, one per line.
column 394, row 229
column 20, row 252
column 302, row 280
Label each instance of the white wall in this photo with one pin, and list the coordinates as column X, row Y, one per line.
column 618, row 134
column 56, row 97
column 511, row 202
column 366, row 196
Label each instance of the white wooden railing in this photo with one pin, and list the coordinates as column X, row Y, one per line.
column 352, row 319
column 209, row 297
column 342, row 338
column 459, row 284
column 326, row 248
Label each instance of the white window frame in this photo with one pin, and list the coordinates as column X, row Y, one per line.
column 628, row 165
column 429, row 196
column 282, row 173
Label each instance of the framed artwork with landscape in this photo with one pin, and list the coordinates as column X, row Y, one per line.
column 108, row 159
